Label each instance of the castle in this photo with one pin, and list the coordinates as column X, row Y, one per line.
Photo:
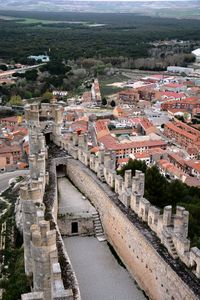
column 136, row 229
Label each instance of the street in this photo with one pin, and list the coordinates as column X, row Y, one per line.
column 5, row 177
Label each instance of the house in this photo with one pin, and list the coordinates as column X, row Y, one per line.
column 80, row 126
column 42, row 58
column 9, row 121
column 12, row 153
column 169, row 170
column 2, row 164
column 128, row 96
column 176, row 69
column 164, row 96
column 187, row 104
column 119, row 112
column 144, row 156
column 174, row 87
column 183, row 134
column 86, row 97
column 145, row 127
column 124, row 149
column 196, row 53
column 60, row 93
column 193, row 167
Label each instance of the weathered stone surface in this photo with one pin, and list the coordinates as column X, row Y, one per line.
column 156, row 272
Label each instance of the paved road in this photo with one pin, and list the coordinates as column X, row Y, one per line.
column 5, row 177
column 99, row 274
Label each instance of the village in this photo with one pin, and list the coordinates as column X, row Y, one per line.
column 155, row 119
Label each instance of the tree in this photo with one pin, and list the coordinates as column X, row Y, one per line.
column 31, row 75
column 55, row 68
column 47, row 96
column 27, row 95
column 133, row 165
column 155, row 187
column 104, row 101
column 36, row 93
column 3, row 67
column 112, row 103
column 15, row 100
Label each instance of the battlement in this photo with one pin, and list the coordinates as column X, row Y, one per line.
column 36, row 143
column 31, row 191
column 46, row 269
column 172, row 229
column 40, row 243
column 42, row 236
column 32, row 113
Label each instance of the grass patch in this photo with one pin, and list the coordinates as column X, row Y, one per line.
column 12, row 278
column 109, row 90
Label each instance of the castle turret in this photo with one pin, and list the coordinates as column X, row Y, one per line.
column 43, row 245
column 32, row 208
column 138, row 183
column 181, row 220
column 32, row 118
column 58, row 119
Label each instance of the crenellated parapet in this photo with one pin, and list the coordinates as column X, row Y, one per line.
column 31, row 197
column 47, row 281
column 36, row 143
column 32, row 118
column 37, row 164
column 171, row 229
column 32, row 114
column 57, row 112
column 43, row 245
column 40, row 242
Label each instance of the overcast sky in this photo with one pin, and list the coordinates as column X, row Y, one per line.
column 135, row 0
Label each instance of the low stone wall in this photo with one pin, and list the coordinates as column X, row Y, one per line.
column 157, row 273
column 85, row 225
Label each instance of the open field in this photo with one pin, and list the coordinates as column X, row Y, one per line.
column 107, row 84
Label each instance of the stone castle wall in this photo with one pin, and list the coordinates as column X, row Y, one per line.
column 134, row 227
column 135, row 244
column 46, row 260
column 171, row 229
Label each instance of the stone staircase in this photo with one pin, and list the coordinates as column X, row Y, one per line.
column 171, row 247
column 98, row 228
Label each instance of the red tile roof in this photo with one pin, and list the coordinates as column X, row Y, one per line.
column 174, row 85
column 142, row 155
column 9, row 119
column 112, row 144
column 123, row 160
column 184, row 130
column 175, row 95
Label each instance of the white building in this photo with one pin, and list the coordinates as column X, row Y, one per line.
column 197, row 54
column 60, row 93
column 175, row 69
column 43, row 58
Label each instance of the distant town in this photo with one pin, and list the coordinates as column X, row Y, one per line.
column 155, row 119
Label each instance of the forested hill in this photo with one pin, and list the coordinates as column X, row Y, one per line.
column 126, row 35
